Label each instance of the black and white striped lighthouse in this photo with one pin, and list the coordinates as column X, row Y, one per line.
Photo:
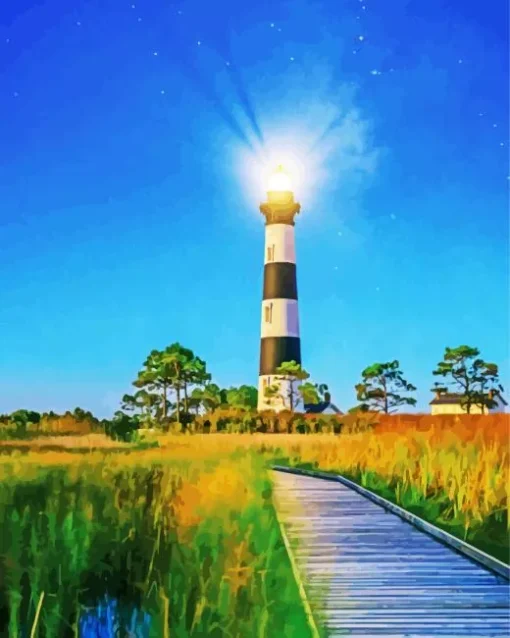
column 280, row 340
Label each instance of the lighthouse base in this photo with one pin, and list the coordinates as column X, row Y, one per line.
column 281, row 398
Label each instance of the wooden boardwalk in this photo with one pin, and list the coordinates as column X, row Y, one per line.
column 368, row 572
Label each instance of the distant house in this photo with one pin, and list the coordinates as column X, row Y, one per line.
column 323, row 407
column 451, row 403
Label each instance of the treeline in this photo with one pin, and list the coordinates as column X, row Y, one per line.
column 174, row 385
column 174, row 391
column 26, row 423
column 384, row 389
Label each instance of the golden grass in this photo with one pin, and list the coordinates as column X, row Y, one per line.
column 72, row 441
column 464, row 459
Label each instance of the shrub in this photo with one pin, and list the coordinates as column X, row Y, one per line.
column 123, row 427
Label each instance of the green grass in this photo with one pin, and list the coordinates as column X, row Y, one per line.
column 147, row 534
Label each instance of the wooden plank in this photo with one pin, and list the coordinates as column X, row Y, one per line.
column 458, row 545
column 368, row 572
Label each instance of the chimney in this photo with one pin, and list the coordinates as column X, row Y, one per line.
column 438, row 394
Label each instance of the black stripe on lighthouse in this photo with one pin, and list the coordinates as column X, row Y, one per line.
column 276, row 350
column 280, row 281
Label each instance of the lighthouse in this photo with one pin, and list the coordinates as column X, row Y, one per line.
column 280, row 340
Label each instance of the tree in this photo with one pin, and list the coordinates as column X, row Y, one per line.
column 143, row 402
column 174, row 359
column 293, row 373
column 382, row 387
column 464, row 372
column 314, row 393
column 122, row 427
column 194, row 373
column 272, row 393
column 174, row 368
column 309, row 393
column 242, row 398
column 210, row 397
column 23, row 419
column 156, row 376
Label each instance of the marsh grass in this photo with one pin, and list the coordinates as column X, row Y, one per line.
column 84, row 442
column 452, row 472
column 172, row 544
column 182, row 539
column 456, row 478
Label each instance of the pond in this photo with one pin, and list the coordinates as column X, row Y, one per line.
column 109, row 619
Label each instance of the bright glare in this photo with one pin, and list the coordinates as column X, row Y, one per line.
column 279, row 180
column 257, row 171
column 278, row 170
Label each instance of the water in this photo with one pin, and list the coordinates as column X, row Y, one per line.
column 111, row 620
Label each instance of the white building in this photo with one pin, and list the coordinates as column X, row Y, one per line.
column 451, row 403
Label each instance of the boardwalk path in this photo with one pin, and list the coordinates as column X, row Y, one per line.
column 370, row 573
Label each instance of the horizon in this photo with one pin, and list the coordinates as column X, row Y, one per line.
column 136, row 138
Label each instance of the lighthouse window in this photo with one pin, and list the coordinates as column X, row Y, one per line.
column 269, row 313
column 270, row 253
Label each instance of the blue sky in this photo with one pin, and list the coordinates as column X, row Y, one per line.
column 133, row 135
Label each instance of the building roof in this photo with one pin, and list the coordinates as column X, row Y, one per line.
column 321, row 407
column 454, row 398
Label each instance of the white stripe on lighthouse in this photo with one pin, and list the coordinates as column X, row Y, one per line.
column 280, row 244
column 282, row 401
column 279, row 318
